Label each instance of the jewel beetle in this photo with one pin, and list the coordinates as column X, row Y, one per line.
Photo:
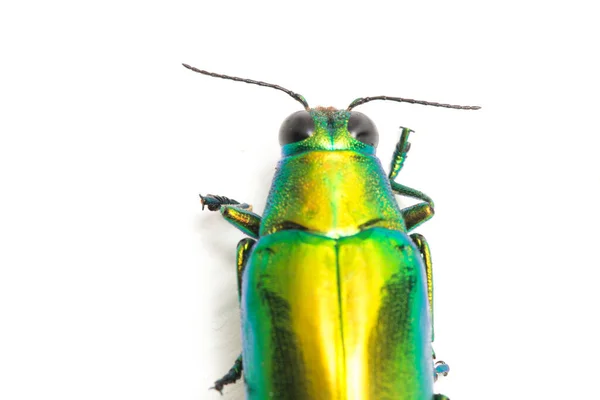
column 336, row 293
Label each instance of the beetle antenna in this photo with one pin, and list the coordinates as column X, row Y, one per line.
column 363, row 100
column 296, row 96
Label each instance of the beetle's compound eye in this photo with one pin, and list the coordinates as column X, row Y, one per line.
column 363, row 129
column 296, row 127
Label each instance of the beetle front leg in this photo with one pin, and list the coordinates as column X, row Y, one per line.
column 419, row 213
column 410, row 192
column 245, row 221
column 239, row 215
column 415, row 215
column 214, row 202
column 400, row 153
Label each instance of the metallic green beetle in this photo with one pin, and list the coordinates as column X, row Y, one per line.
column 336, row 296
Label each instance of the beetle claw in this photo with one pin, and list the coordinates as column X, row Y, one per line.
column 440, row 368
column 210, row 201
column 218, row 387
column 230, row 377
column 214, row 202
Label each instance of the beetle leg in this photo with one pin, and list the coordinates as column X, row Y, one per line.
column 214, row 202
column 244, row 248
column 423, row 247
column 398, row 159
column 410, row 192
column 416, row 215
column 232, row 376
column 240, row 215
column 419, row 213
column 400, row 153
column 246, row 221
column 440, row 368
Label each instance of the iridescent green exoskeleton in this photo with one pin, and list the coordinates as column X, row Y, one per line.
column 336, row 294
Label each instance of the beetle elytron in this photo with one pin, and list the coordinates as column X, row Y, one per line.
column 336, row 295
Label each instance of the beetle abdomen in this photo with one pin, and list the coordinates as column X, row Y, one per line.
column 339, row 318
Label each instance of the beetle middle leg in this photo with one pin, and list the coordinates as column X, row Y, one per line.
column 440, row 368
column 244, row 248
column 421, row 243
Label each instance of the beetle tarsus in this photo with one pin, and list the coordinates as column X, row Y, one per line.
column 232, row 376
column 214, row 202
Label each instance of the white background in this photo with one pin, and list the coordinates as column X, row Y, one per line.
column 115, row 285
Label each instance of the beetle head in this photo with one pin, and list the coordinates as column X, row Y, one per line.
column 327, row 129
